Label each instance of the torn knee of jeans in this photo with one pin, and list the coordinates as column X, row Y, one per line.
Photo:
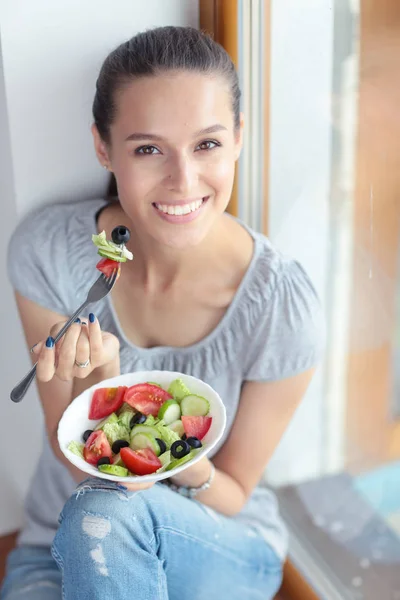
column 95, row 526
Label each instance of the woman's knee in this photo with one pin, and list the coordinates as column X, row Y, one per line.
column 97, row 508
column 94, row 497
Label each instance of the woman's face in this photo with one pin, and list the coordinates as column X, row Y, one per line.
column 173, row 150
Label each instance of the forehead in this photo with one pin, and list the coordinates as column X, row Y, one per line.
column 161, row 104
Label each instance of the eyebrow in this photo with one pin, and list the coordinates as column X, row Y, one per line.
column 151, row 136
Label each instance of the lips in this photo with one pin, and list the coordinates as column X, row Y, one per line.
column 180, row 209
column 181, row 212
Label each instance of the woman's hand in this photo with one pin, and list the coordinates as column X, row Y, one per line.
column 83, row 344
column 84, row 341
column 194, row 476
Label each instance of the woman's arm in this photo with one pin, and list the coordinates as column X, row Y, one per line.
column 265, row 410
column 56, row 394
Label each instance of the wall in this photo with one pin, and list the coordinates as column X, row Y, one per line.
column 300, row 157
column 50, row 55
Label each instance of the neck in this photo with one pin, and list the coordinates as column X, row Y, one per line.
column 159, row 267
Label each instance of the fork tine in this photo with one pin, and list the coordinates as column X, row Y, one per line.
column 112, row 279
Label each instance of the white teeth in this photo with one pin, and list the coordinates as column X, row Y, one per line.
column 180, row 209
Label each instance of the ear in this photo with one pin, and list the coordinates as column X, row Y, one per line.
column 239, row 137
column 101, row 149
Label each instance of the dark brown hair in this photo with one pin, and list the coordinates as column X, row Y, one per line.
column 157, row 51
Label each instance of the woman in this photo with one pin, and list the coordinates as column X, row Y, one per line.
column 204, row 295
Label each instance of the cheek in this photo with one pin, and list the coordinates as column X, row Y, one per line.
column 134, row 181
column 221, row 173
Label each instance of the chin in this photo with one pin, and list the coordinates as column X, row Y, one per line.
column 184, row 239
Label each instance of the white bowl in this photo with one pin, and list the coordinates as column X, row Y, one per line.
column 75, row 421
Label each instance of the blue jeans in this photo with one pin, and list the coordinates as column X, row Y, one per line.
column 147, row 545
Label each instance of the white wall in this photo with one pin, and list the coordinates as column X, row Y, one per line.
column 50, row 55
column 300, row 155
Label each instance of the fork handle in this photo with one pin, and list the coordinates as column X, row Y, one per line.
column 70, row 321
column 22, row 387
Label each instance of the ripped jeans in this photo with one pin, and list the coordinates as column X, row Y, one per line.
column 148, row 545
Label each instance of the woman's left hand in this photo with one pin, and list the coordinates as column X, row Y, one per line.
column 194, row 476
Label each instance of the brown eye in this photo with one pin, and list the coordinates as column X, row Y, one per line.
column 208, row 145
column 147, row 150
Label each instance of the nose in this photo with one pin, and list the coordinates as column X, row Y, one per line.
column 182, row 175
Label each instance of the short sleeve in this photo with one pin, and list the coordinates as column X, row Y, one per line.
column 290, row 331
column 37, row 258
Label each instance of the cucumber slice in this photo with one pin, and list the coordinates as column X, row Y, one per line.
column 195, row 406
column 170, row 411
column 114, row 470
column 144, row 429
column 181, row 461
column 177, row 426
column 178, row 389
column 111, row 255
column 110, row 419
column 145, row 440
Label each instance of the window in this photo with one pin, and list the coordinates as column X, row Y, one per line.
column 320, row 175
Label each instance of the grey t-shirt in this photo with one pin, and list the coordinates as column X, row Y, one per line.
column 273, row 329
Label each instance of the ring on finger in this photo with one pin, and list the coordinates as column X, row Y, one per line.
column 83, row 365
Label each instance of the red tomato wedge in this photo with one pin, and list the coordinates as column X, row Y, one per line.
column 146, row 398
column 96, row 447
column 196, row 426
column 140, row 462
column 106, row 401
column 108, row 266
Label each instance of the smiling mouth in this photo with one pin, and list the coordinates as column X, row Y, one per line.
column 180, row 209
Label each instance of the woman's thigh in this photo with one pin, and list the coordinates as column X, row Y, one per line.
column 189, row 549
column 32, row 574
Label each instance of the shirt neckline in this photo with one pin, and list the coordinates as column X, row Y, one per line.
column 218, row 329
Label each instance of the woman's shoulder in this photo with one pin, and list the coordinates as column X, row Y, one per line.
column 273, row 272
column 55, row 220
column 48, row 247
column 284, row 315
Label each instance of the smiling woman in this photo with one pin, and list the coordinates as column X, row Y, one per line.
column 154, row 131
column 205, row 296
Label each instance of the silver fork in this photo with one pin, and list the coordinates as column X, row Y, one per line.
column 99, row 290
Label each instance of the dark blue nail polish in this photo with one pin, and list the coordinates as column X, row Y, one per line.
column 77, row 320
column 50, row 342
column 92, row 318
column 84, row 323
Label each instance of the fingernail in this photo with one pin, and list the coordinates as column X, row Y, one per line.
column 50, row 342
column 77, row 320
column 92, row 318
column 84, row 323
column 33, row 348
